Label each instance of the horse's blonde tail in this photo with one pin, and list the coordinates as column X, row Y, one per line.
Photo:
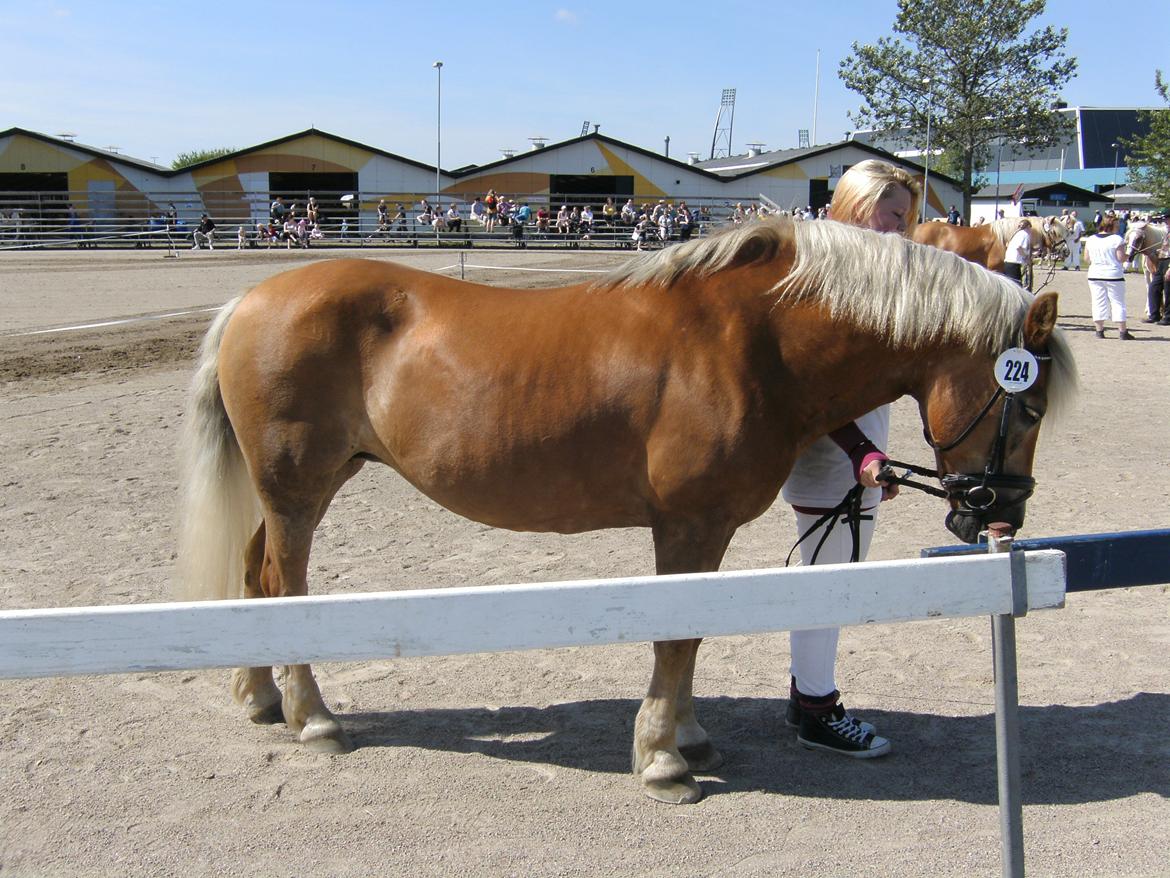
column 219, row 510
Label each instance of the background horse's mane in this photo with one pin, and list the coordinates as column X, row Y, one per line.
column 928, row 294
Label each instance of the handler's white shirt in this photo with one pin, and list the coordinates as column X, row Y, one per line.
column 823, row 474
column 1101, row 251
column 1019, row 248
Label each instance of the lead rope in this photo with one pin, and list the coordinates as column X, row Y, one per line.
column 849, row 511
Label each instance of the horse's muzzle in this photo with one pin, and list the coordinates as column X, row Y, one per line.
column 983, row 499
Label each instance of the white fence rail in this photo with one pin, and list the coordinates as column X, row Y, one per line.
column 179, row 636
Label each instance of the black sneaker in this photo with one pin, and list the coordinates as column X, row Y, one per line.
column 793, row 713
column 838, row 732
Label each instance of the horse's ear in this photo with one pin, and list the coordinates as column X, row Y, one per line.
column 1040, row 322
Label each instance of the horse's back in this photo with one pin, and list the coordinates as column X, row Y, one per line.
column 976, row 244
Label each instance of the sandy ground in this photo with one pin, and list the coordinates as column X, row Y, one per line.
column 517, row 764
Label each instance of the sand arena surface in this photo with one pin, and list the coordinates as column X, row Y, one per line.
column 518, row 764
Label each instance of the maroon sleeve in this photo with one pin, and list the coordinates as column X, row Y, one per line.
column 857, row 447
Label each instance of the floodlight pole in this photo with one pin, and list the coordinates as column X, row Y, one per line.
column 926, row 165
column 438, row 65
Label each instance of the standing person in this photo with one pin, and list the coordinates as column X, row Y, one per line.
column 1076, row 234
column 953, row 216
column 881, row 197
column 1158, row 293
column 1106, row 276
column 1018, row 252
column 491, row 210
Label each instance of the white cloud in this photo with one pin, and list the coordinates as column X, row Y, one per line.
column 566, row 16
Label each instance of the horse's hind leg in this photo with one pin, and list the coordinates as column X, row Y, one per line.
column 666, row 718
column 289, row 525
column 254, row 687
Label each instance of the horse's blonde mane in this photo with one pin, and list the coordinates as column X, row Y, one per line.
column 913, row 293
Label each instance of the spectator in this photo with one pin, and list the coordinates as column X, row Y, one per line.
column 478, row 211
column 276, row 212
column 586, row 221
column 609, row 213
column 241, row 238
column 542, row 219
column 685, row 222
column 344, row 230
column 519, row 221
column 427, row 216
column 288, row 231
column 398, row 221
column 491, row 208
column 563, row 220
column 454, row 220
column 953, row 216
column 629, row 213
column 204, row 233
column 383, row 216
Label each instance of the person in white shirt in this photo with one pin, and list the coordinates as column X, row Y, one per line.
column 1019, row 251
column 454, row 220
column 1076, row 234
column 877, row 196
column 1106, row 276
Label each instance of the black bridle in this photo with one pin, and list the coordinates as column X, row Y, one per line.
column 976, row 493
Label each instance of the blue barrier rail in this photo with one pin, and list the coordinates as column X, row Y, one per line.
column 1096, row 561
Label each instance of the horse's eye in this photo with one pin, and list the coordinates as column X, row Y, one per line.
column 1030, row 414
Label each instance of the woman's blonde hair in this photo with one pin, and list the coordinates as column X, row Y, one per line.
column 865, row 184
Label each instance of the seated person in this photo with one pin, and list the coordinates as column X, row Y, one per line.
column 454, row 220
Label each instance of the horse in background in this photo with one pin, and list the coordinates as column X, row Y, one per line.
column 673, row 394
column 1143, row 238
column 986, row 245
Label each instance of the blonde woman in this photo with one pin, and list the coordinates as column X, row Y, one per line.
column 881, row 197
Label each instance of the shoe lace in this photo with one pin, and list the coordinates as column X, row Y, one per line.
column 847, row 727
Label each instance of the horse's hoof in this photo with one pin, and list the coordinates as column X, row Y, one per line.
column 701, row 757
column 325, row 735
column 678, row 791
column 266, row 716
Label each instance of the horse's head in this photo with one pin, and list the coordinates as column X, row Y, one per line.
column 984, row 426
column 1135, row 238
column 1055, row 232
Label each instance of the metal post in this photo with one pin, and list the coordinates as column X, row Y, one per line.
column 1007, row 706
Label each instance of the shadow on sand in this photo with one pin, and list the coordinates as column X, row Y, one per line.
column 1069, row 755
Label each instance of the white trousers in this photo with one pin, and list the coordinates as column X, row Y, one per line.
column 1108, row 297
column 814, row 653
column 1074, row 255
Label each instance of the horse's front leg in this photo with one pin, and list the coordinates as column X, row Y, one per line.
column 692, row 739
column 668, row 741
column 663, row 770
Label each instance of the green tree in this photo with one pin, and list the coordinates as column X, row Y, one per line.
column 971, row 67
column 186, row 159
column 1149, row 156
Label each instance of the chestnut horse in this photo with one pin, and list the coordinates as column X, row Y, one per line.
column 673, row 394
column 985, row 245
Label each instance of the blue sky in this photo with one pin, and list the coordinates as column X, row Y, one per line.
column 156, row 79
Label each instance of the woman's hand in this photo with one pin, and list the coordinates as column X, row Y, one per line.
column 869, row 478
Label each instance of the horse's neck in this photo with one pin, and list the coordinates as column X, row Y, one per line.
column 840, row 372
